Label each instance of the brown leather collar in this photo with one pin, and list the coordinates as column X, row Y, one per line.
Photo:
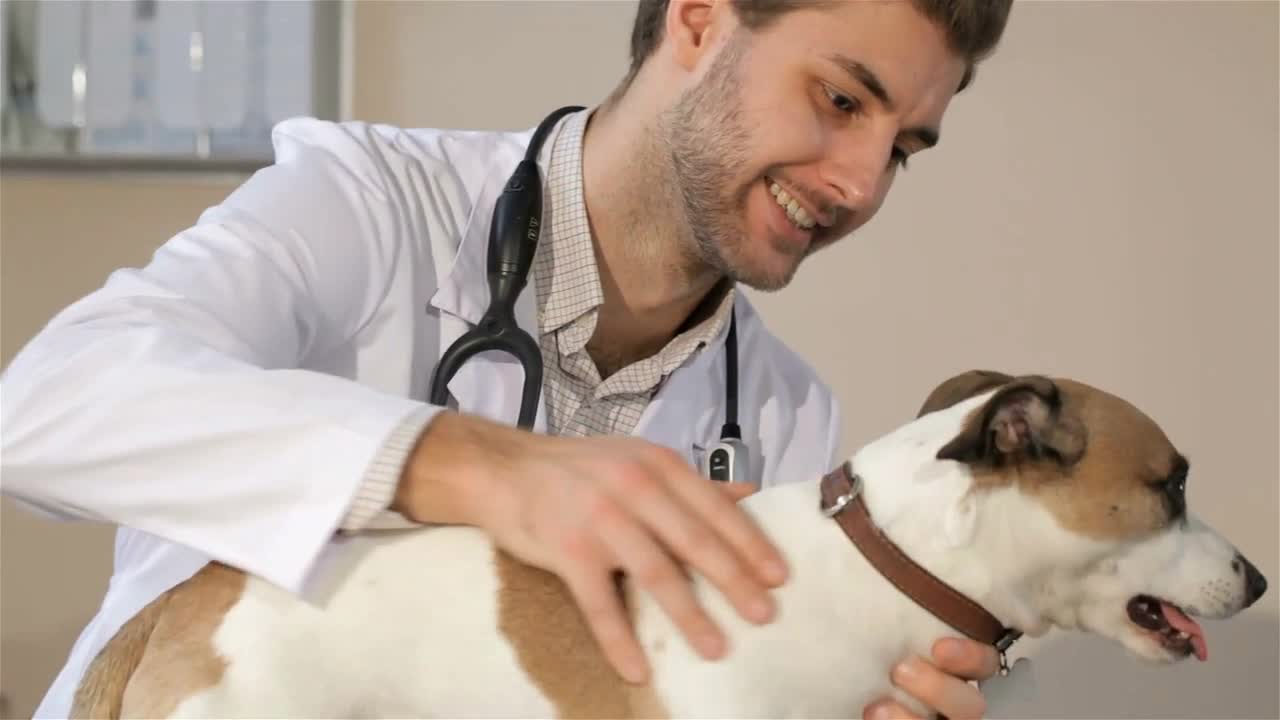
column 842, row 500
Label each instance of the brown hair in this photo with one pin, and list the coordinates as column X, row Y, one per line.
column 973, row 27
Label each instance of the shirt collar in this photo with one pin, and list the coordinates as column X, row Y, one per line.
column 566, row 275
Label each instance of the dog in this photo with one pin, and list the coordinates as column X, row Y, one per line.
column 1007, row 506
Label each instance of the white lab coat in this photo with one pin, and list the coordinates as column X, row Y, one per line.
column 225, row 400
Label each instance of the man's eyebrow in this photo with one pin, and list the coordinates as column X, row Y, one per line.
column 928, row 136
column 864, row 75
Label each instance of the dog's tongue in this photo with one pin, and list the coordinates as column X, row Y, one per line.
column 1180, row 621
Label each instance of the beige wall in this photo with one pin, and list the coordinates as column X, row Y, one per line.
column 1103, row 205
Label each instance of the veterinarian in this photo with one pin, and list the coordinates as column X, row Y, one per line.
column 260, row 388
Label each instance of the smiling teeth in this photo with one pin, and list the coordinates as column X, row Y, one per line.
column 796, row 214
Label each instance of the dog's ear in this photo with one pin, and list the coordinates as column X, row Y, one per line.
column 962, row 387
column 1023, row 420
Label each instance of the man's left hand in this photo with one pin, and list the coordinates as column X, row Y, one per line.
column 942, row 684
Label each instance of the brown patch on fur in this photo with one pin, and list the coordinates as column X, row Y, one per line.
column 1098, row 463
column 165, row 653
column 554, row 644
column 101, row 690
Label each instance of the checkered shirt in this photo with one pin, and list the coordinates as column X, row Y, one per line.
column 566, row 279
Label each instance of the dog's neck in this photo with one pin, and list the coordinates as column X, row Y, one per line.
column 988, row 544
column 992, row 545
column 834, row 615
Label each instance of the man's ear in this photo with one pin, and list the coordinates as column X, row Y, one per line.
column 1023, row 420
column 687, row 28
column 962, row 387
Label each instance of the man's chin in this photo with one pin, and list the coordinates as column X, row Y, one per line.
column 766, row 264
column 776, row 268
column 765, row 277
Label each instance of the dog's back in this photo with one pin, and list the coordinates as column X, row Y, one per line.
column 428, row 622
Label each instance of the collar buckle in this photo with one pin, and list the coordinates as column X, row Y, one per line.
column 838, row 505
column 1002, row 646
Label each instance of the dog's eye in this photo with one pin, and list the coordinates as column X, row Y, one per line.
column 1175, row 492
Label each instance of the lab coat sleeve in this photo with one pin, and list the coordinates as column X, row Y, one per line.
column 835, row 434
column 371, row 506
column 172, row 399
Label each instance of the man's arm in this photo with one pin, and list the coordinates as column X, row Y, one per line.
column 170, row 400
column 378, row 487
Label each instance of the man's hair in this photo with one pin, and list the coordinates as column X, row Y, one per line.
column 973, row 27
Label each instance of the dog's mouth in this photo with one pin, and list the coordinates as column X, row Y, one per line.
column 1169, row 625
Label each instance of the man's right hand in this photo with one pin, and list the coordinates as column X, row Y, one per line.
column 584, row 508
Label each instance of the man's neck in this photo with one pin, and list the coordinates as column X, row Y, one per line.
column 651, row 281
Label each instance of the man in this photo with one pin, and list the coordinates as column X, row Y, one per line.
column 220, row 403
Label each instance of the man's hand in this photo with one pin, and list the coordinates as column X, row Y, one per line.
column 942, row 684
column 584, row 508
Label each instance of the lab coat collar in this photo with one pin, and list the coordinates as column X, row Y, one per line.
column 491, row 388
column 464, row 291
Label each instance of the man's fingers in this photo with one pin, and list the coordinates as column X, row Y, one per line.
column 736, row 491
column 887, row 710
column 597, row 597
column 949, row 695
column 717, row 508
column 966, row 658
column 693, row 541
column 649, row 566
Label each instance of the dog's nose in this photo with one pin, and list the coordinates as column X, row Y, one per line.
column 1255, row 585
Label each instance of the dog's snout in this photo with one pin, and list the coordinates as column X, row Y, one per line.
column 1255, row 585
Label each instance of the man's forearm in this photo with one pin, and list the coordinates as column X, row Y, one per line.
column 448, row 476
column 371, row 507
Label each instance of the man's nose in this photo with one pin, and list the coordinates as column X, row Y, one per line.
column 855, row 170
column 1255, row 585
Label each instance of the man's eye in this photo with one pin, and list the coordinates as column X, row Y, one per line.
column 842, row 102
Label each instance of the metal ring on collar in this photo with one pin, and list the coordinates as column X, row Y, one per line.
column 842, row 502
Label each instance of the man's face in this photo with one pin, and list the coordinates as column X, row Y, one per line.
column 817, row 110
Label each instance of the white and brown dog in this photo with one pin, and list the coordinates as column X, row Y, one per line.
column 1008, row 506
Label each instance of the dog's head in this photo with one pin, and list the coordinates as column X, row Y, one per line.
column 1120, row 553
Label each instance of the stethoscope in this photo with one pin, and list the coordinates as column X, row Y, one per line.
column 513, row 240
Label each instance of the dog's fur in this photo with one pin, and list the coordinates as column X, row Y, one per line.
column 1049, row 502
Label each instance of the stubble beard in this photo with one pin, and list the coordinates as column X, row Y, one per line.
column 706, row 145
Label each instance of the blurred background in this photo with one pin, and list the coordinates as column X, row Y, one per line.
column 1104, row 206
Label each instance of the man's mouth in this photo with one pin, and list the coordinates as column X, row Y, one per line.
column 795, row 212
column 1171, row 627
